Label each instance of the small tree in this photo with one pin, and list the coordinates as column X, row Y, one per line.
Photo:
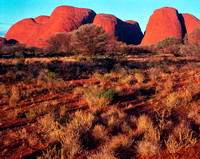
column 60, row 43
column 90, row 39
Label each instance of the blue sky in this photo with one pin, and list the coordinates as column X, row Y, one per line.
column 11, row 11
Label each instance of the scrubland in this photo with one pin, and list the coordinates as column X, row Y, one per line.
column 132, row 102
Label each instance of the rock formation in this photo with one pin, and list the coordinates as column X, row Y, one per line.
column 109, row 22
column 128, row 31
column 132, row 32
column 190, row 22
column 36, row 31
column 163, row 23
column 65, row 19
column 167, row 22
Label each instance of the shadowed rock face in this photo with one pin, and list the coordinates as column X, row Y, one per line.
column 128, row 31
column 167, row 22
column 163, row 23
column 36, row 31
column 132, row 32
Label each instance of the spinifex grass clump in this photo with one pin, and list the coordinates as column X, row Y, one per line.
column 98, row 97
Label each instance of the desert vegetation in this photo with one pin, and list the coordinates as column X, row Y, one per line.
column 87, row 96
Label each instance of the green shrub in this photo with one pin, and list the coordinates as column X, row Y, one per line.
column 169, row 45
column 98, row 97
column 167, row 42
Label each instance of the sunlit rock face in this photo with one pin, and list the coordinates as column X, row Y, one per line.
column 167, row 22
column 36, row 31
column 163, row 23
column 190, row 22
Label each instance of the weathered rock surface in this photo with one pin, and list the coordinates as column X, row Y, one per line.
column 110, row 23
column 163, row 23
column 167, row 22
column 128, row 31
column 36, row 31
column 42, row 19
column 190, row 22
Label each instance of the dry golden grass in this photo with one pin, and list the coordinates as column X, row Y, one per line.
column 150, row 143
column 15, row 96
column 23, row 134
column 103, row 79
column 110, row 131
column 127, row 80
column 104, row 153
column 144, row 123
column 67, row 134
column 33, row 140
column 182, row 136
column 139, row 77
column 113, row 118
column 154, row 74
column 147, row 148
column 100, row 133
column 77, row 92
column 3, row 90
column 120, row 143
column 162, row 120
column 14, row 113
column 47, row 122
column 173, row 100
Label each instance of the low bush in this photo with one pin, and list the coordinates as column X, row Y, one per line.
column 167, row 42
column 169, row 45
column 98, row 97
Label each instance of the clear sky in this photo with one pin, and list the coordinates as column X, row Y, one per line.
column 11, row 11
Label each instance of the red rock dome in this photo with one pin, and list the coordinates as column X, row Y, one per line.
column 128, row 31
column 163, row 23
column 108, row 22
column 36, row 31
column 191, row 22
column 42, row 19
